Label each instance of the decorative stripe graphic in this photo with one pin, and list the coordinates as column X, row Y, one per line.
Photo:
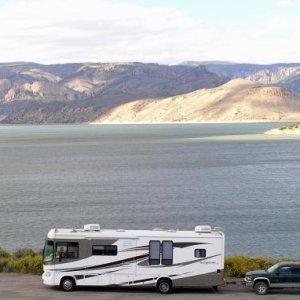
column 186, row 244
column 146, row 247
column 145, row 263
column 111, row 264
column 142, row 280
column 175, row 245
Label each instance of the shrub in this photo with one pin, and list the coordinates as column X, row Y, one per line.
column 238, row 265
column 4, row 253
column 24, row 252
column 22, row 261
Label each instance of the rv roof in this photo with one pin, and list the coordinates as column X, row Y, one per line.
column 120, row 233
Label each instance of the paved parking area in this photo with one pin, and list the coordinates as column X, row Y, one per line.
column 20, row 286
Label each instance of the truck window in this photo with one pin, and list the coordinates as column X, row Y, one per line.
column 285, row 270
column 154, row 252
column 296, row 270
column 67, row 250
column 108, row 250
column 200, row 253
column 167, row 253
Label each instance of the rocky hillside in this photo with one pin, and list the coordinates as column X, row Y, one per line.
column 35, row 93
column 237, row 100
column 284, row 75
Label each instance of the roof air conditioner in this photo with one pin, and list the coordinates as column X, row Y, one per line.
column 203, row 228
column 91, row 227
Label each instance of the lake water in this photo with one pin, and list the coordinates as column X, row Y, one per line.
column 146, row 176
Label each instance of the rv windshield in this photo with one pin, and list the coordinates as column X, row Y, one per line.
column 48, row 251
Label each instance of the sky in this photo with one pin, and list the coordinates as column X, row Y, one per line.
column 161, row 31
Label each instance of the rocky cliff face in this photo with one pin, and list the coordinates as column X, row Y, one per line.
column 33, row 93
column 285, row 75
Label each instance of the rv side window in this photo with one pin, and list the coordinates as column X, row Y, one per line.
column 200, row 252
column 167, row 253
column 105, row 250
column 154, row 252
column 66, row 250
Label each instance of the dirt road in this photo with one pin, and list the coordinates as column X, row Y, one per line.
column 20, row 286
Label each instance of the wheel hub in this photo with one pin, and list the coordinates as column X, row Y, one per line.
column 67, row 284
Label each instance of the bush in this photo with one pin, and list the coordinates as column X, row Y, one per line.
column 24, row 252
column 4, row 253
column 22, row 261
column 238, row 265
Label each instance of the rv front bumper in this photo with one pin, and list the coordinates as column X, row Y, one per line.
column 48, row 278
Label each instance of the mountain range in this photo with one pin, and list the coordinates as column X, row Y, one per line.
column 68, row 93
column 33, row 93
column 281, row 74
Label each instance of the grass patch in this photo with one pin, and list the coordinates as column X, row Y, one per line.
column 26, row 260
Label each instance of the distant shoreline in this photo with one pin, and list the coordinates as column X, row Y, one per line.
column 151, row 123
column 202, row 122
column 290, row 129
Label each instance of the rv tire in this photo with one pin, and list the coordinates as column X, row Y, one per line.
column 164, row 285
column 215, row 288
column 67, row 284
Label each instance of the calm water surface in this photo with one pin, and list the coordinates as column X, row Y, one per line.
column 169, row 176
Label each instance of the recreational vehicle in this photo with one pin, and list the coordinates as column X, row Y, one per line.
column 164, row 259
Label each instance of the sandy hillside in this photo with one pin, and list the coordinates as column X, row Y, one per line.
column 237, row 100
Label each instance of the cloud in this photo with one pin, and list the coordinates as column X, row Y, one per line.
column 287, row 3
column 51, row 31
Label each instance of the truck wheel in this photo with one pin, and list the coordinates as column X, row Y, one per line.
column 68, row 284
column 261, row 288
column 164, row 286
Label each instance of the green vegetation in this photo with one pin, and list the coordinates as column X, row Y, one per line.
column 290, row 126
column 22, row 261
column 236, row 266
column 29, row 261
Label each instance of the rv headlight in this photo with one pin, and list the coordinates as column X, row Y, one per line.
column 47, row 274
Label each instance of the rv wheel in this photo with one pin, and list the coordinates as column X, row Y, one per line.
column 261, row 288
column 215, row 288
column 164, row 286
column 67, row 284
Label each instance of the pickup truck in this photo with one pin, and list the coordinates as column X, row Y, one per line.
column 281, row 275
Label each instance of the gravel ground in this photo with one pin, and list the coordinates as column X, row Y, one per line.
column 20, row 286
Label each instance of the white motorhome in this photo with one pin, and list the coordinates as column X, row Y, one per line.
column 150, row 258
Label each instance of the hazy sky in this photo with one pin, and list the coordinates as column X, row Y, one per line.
column 164, row 31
